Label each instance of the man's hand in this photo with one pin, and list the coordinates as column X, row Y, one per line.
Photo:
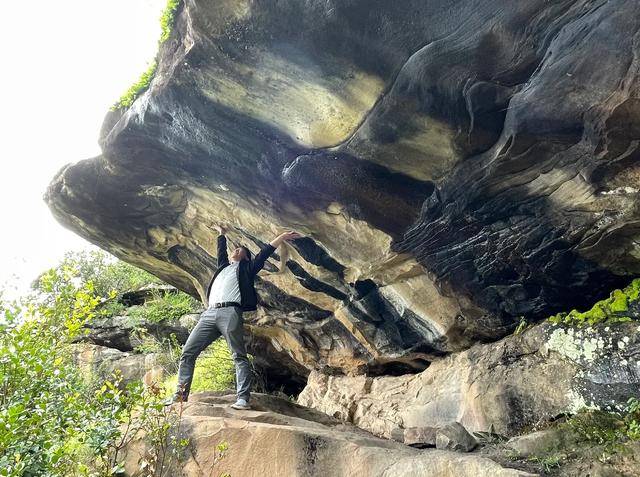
column 220, row 228
column 285, row 237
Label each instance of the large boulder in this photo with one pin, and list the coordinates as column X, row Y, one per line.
column 454, row 166
column 503, row 387
column 285, row 439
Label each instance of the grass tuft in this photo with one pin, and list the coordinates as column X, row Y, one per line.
column 127, row 99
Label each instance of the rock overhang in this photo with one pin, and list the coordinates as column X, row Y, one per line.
column 474, row 162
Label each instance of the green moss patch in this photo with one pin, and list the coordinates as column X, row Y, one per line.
column 614, row 309
column 610, row 429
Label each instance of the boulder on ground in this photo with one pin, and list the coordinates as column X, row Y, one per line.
column 540, row 442
column 455, row 437
column 102, row 362
column 420, row 436
column 125, row 334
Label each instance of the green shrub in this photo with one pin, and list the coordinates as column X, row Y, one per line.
column 214, row 370
column 611, row 310
column 111, row 307
column 120, row 416
column 43, row 414
column 107, row 275
column 108, row 279
column 52, row 421
column 164, row 307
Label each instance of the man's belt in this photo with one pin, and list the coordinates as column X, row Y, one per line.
column 225, row 303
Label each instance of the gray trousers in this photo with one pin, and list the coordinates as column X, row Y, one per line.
column 213, row 323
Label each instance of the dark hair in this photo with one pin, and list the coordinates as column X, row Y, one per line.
column 246, row 251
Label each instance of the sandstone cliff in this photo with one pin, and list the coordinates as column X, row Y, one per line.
column 454, row 166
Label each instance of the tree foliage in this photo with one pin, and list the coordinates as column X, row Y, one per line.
column 53, row 421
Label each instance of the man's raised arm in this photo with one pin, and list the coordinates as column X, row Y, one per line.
column 223, row 258
column 258, row 262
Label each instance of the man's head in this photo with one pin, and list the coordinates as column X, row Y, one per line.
column 240, row 253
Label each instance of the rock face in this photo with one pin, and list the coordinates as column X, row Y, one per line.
column 502, row 387
column 282, row 438
column 454, row 165
column 124, row 334
column 103, row 362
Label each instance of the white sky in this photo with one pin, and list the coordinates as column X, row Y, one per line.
column 64, row 63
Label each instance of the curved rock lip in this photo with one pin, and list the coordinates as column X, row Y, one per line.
column 454, row 167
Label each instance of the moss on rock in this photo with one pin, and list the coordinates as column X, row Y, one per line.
column 614, row 309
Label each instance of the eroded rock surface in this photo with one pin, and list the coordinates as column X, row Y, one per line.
column 282, row 438
column 501, row 387
column 454, row 165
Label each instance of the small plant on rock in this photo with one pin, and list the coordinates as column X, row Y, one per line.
column 167, row 20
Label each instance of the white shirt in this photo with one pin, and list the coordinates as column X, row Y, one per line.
column 226, row 287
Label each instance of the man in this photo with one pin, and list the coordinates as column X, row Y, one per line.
column 230, row 292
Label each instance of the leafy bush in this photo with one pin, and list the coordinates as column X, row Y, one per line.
column 614, row 309
column 43, row 413
column 40, row 413
column 214, row 370
column 111, row 307
column 121, row 415
column 52, row 421
column 106, row 274
column 108, row 278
